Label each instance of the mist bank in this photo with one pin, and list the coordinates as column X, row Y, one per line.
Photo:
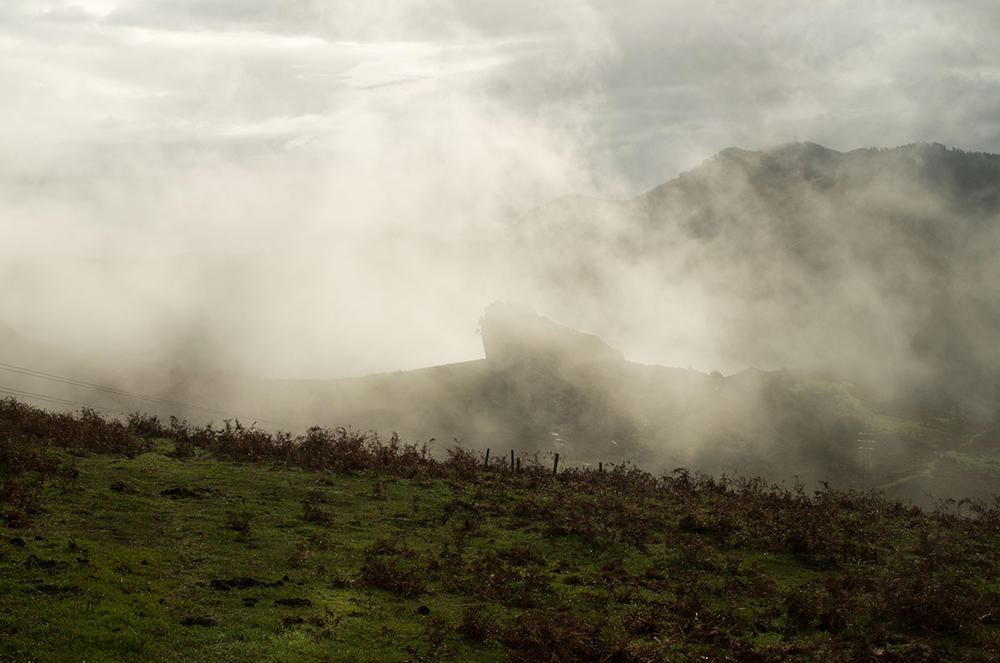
column 875, row 265
column 842, row 293
column 546, row 389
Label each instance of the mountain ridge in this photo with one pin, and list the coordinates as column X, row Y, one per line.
column 876, row 257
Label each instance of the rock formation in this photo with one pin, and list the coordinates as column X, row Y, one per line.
column 514, row 334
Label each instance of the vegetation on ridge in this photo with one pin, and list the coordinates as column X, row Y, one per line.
column 137, row 541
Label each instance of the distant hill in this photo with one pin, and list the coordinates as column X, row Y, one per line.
column 554, row 390
column 545, row 388
column 877, row 265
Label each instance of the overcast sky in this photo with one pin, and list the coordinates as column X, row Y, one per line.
column 288, row 136
column 644, row 87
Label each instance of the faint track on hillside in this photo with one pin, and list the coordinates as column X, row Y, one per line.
column 927, row 471
column 930, row 466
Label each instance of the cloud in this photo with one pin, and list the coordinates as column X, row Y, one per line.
column 692, row 81
column 331, row 178
column 203, row 185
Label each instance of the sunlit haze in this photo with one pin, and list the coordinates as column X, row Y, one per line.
column 325, row 188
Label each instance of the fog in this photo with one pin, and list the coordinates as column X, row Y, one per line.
column 195, row 188
column 320, row 190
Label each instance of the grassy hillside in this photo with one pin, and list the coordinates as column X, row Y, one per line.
column 143, row 542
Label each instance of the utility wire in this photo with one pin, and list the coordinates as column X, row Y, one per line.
column 30, row 372
column 79, row 383
column 53, row 399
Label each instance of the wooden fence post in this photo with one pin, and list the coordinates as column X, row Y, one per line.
column 555, row 464
column 511, row 460
column 486, row 463
column 600, row 467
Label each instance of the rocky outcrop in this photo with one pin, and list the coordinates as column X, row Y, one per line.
column 514, row 334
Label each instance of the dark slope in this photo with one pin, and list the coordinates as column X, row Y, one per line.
column 554, row 390
column 551, row 389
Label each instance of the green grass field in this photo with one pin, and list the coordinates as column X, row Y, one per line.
column 114, row 567
column 176, row 552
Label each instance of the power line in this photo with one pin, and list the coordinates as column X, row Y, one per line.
column 53, row 399
column 80, row 383
column 30, row 372
column 98, row 387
